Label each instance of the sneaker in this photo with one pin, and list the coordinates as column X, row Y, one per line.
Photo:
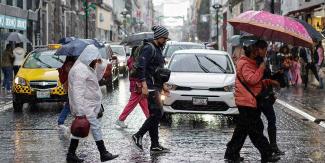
column 137, row 141
column 159, row 149
column 121, row 124
column 64, row 130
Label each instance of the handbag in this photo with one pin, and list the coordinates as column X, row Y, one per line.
column 80, row 126
column 264, row 98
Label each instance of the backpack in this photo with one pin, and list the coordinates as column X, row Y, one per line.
column 64, row 71
column 134, row 59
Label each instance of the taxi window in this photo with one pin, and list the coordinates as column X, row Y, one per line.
column 44, row 59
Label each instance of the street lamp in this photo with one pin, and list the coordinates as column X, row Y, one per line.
column 65, row 21
column 217, row 7
column 125, row 14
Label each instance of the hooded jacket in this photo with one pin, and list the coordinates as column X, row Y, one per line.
column 252, row 75
column 84, row 91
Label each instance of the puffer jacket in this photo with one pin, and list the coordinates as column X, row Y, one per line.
column 252, row 75
column 84, row 92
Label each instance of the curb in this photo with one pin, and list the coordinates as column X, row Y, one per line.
column 5, row 106
column 320, row 122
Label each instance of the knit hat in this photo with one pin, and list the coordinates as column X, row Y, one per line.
column 159, row 31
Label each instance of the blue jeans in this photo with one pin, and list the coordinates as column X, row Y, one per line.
column 7, row 79
column 64, row 113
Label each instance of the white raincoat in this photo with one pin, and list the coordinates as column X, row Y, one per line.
column 84, row 92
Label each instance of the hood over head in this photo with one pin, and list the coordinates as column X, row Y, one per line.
column 89, row 54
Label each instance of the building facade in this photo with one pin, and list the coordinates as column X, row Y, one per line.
column 18, row 16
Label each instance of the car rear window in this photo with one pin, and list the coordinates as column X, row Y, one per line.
column 44, row 59
column 172, row 48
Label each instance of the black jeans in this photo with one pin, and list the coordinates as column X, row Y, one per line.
column 151, row 123
column 269, row 113
column 249, row 123
column 16, row 69
column 312, row 67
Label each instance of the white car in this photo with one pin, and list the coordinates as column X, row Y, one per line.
column 201, row 81
column 119, row 51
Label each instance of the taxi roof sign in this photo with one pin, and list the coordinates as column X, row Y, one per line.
column 54, row 46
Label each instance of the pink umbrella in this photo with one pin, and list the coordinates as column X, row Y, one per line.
column 272, row 27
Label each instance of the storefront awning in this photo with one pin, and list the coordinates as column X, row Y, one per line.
column 307, row 9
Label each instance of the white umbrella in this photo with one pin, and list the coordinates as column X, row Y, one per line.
column 17, row 37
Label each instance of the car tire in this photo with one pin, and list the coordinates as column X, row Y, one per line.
column 17, row 105
column 109, row 84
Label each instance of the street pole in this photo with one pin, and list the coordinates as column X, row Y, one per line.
column 272, row 6
column 217, row 21
column 86, row 34
column 65, row 24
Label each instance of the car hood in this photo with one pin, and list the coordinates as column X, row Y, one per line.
column 201, row 80
column 38, row 74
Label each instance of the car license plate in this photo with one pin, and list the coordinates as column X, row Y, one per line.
column 43, row 94
column 200, row 101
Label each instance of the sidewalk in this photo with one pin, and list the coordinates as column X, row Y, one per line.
column 311, row 100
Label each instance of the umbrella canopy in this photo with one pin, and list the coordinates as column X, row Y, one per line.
column 76, row 46
column 272, row 27
column 136, row 38
column 314, row 34
column 17, row 37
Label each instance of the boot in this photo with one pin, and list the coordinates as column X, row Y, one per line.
column 270, row 158
column 275, row 149
column 71, row 156
column 104, row 154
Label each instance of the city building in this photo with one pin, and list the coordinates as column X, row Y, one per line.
column 18, row 16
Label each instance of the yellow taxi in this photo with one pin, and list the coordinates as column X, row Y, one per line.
column 38, row 79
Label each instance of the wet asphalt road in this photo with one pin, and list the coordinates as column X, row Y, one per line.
column 32, row 136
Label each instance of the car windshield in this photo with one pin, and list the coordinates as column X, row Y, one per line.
column 118, row 50
column 201, row 63
column 44, row 59
column 172, row 48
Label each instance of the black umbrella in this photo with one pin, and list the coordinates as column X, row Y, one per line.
column 135, row 39
column 314, row 34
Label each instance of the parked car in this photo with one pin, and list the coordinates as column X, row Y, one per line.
column 111, row 75
column 119, row 51
column 38, row 79
column 201, row 81
column 172, row 46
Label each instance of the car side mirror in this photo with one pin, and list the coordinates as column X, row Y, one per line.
column 127, row 54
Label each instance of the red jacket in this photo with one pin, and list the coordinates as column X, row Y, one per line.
column 251, row 74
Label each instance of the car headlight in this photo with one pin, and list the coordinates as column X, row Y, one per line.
column 229, row 88
column 20, row 81
column 171, row 86
column 121, row 64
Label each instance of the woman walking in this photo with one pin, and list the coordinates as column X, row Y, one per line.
column 85, row 99
column 6, row 65
column 248, row 82
column 136, row 95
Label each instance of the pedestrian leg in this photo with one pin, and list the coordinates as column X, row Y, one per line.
column 71, row 156
column 314, row 70
column 144, row 106
column 96, row 131
column 306, row 75
column 64, row 113
column 133, row 102
column 238, row 138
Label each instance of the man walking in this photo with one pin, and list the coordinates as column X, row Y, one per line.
column 149, row 60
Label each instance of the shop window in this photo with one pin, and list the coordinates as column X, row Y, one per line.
column 20, row 3
column 10, row 2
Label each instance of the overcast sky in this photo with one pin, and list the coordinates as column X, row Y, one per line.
column 173, row 8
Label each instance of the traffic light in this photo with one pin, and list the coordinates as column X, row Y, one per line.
column 87, row 6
